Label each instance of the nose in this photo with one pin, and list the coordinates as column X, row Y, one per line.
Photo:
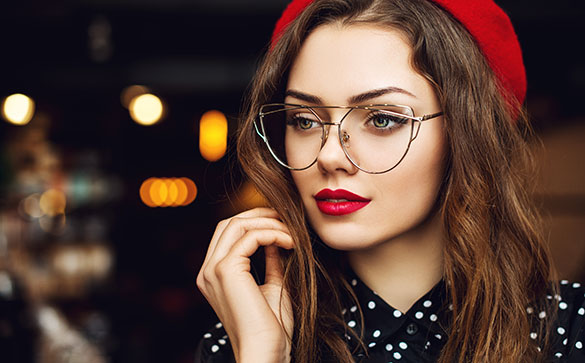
column 332, row 158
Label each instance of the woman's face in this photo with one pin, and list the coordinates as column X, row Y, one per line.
column 335, row 64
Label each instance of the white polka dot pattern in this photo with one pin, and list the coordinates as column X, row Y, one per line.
column 404, row 336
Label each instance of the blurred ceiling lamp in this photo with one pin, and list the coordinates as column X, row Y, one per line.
column 213, row 130
column 18, row 109
column 146, row 109
column 131, row 92
column 168, row 192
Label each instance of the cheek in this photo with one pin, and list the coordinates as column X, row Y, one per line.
column 410, row 191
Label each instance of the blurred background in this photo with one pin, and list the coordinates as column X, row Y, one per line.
column 117, row 161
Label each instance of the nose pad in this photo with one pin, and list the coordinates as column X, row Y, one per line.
column 334, row 157
column 345, row 138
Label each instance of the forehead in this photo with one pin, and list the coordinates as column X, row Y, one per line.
column 337, row 61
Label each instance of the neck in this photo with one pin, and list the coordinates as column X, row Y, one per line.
column 404, row 268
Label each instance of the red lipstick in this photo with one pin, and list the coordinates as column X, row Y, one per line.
column 339, row 202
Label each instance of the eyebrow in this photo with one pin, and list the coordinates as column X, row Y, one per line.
column 357, row 99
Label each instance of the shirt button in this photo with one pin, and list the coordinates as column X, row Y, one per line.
column 411, row 329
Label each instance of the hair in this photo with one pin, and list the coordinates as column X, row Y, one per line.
column 496, row 263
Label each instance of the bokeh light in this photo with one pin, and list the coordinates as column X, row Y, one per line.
column 146, row 109
column 168, row 192
column 247, row 197
column 31, row 206
column 53, row 202
column 213, row 131
column 131, row 92
column 18, row 109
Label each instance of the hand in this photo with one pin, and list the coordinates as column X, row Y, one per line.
column 250, row 314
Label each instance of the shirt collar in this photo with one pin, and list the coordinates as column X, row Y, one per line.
column 431, row 313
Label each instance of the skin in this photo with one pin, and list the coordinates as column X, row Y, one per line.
column 394, row 244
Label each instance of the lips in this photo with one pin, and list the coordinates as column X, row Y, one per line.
column 339, row 202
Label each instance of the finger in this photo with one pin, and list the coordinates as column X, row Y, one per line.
column 274, row 270
column 237, row 227
column 221, row 226
column 235, row 266
column 249, row 243
column 261, row 212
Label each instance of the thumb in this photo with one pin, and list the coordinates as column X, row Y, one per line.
column 274, row 269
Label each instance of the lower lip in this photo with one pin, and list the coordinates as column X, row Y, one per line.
column 340, row 208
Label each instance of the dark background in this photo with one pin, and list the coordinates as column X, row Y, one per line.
column 197, row 56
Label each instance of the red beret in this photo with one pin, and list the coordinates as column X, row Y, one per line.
column 486, row 22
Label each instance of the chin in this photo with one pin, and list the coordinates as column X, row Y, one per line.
column 348, row 238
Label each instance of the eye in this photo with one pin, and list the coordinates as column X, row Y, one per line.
column 383, row 120
column 302, row 122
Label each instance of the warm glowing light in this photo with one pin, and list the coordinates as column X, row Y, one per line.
column 53, row 202
column 18, row 109
column 213, row 130
column 146, row 109
column 191, row 191
column 182, row 191
column 31, row 206
column 158, row 192
column 145, row 192
column 249, row 197
column 130, row 93
column 168, row 192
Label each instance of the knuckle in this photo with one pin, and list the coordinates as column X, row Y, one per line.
column 200, row 282
column 221, row 269
column 221, row 224
column 206, row 277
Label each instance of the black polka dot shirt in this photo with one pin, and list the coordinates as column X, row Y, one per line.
column 419, row 334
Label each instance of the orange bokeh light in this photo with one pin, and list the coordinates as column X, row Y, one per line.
column 213, row 132
column 168, row 192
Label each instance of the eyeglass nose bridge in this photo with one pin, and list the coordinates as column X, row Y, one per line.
column 343, row 137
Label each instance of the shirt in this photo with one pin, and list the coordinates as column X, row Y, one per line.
column 419, row 334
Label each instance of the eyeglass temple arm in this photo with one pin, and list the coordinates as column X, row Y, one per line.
column 258, row 132
column 428, row 117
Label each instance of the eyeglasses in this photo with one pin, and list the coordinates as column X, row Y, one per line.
column 375, row 138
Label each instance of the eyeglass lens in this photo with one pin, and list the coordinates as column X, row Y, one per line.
column 375, row 140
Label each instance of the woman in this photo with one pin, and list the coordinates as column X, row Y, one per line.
column 413, row 188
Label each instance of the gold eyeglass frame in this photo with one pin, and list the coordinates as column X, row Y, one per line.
column 342, row 138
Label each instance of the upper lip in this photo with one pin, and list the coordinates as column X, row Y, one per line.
column 340, row 194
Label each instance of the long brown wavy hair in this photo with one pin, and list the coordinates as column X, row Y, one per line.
column 496, row 263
